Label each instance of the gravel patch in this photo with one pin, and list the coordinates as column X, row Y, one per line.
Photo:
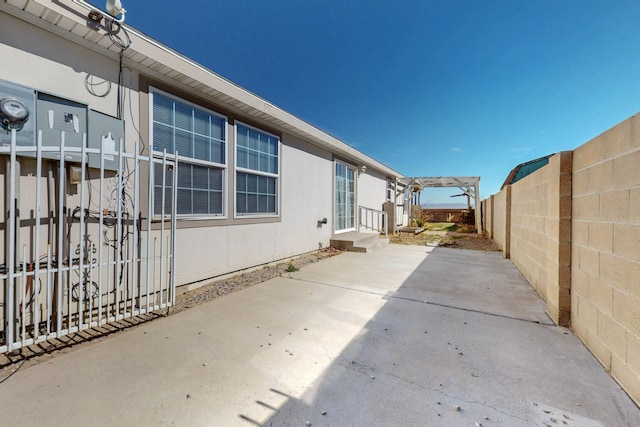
column 222, row 287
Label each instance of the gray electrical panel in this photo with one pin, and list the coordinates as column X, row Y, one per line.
column 26, row 133
column 57, row 115
column 106, row 132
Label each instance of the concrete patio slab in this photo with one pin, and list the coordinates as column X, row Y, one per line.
column 405, row 336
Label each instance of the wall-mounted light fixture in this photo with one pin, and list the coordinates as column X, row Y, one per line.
column 114, row 8
column 363, row 169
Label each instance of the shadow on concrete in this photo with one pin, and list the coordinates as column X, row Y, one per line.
column 53, row 346
column 464, row 341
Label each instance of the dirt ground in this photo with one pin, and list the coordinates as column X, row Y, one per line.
column 469, row 241
column 448, row 235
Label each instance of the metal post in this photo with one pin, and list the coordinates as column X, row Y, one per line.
column 149, row 231
column 477, row 209
column 60, row 237
column 119, row 265
column 100, row 239
column 9, row 297
column 36, row 251
column 135, row 282
column 82, row 247
column 162, row 220
column 174, row 214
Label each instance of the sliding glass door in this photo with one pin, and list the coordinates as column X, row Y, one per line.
column 345, row 198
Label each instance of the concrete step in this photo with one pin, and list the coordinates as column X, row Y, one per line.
column 358, row 242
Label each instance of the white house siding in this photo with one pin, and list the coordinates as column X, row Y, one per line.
column 306, row 195
column 371, row 185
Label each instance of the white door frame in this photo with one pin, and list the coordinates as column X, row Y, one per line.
column 338, row 226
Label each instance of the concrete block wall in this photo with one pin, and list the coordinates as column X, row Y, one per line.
column 573, row 229
column 605, row 294
column 487, row 216
column 559, row 238
column 502, row 220
column 541, row 233
column 529, row 206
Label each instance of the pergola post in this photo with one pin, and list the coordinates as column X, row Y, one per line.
column 478, row 209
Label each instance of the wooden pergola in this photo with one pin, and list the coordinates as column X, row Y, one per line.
column 469, row 185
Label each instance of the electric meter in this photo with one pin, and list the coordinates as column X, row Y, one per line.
column 14, row 113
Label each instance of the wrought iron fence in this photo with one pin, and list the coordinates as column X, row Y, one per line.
column 82, row 246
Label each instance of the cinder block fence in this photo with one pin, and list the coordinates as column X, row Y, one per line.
column 573, row 229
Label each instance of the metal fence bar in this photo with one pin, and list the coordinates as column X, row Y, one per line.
column 50, row 233
column 23, row 296
column 162, row 221
column 119, row 269
column 59, row 254
column 155, row 282
column 135, row 250
column 36, row 252
column 100, row 236
column 49, row 270
column 82, row 244
column 174, row 215
column 91, row 288
column 149, row 218
column 9, row 320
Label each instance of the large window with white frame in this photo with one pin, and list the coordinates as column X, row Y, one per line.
column 345, row 197
column 198, row 136
column 257, row 172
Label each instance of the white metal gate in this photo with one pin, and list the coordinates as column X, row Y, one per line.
column 74, row 260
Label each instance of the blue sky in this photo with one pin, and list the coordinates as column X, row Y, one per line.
column 430, row 88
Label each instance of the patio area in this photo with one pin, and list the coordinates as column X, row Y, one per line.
column 404, row 336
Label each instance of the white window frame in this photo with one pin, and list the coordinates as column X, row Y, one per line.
column 255, row 172
column 191, row 160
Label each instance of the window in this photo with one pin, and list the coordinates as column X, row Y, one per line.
column 257, row 171
column 199, row 137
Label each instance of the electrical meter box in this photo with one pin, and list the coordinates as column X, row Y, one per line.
column 105, row 132
column 57, row 115
column 17, row 111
